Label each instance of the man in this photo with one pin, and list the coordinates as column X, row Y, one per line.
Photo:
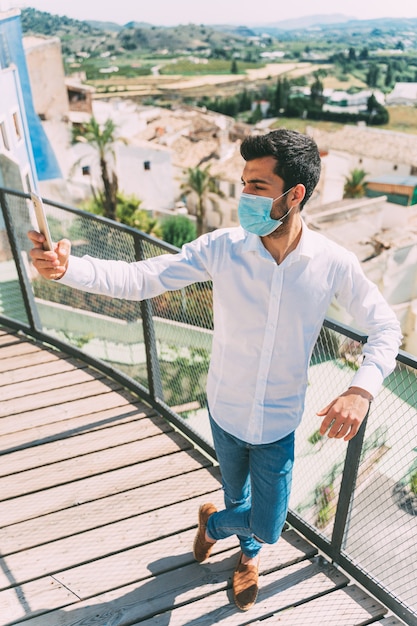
column 273, row 280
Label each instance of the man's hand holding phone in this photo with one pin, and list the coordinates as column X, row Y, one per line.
column 51, row 264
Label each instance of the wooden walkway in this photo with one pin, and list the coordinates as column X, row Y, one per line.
column 98, row 508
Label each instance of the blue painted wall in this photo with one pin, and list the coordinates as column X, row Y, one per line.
column 12, row 52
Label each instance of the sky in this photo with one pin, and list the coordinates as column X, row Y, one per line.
column 173, row 12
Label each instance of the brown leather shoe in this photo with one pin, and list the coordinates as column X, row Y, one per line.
column 202, row 548
column 245, row 585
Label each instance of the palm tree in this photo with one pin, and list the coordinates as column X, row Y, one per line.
column 202, row 185
column 102, row 138
column 355, row 184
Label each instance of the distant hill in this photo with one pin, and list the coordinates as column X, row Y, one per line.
column 113, row 27
column 44, row 23
column 146, row 38
column 308, row 21
column 107, row 26
column 391, row 24
column 77, row 35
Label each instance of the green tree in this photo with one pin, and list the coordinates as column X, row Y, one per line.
column 201, row 185
column 355, row 184
column 372, row 104
column 234, row 68
column 389, row 75
column 102, row 138
column 316, row 90
column 256, row 115
column 372, row 75
column 352, row 54
column 282, row 93
column 178, row 230
column 378, row 114
column 245, row 101
column 129, row 212
column 230, row 106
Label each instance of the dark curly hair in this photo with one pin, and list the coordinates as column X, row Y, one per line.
column 297, row 156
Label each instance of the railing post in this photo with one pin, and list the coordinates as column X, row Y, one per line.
column 347, row 488
column 152, row 360
column 26, row 287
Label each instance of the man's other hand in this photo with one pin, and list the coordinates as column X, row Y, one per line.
column 344, row 415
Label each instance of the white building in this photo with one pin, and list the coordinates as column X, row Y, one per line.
column 343, row 102
column 403, row 94
column 384, row 238
column 47, row 77
column 143, row 170
column 377, row 152
column 17, row 167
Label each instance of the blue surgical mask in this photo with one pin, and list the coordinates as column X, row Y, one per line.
column 255, row 213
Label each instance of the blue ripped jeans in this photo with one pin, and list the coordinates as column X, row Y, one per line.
column 256, row 482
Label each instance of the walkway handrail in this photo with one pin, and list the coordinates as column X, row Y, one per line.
column 350, row 501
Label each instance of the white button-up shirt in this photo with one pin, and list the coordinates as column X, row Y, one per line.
column 267, row 318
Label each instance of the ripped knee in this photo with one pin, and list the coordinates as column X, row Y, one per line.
column 269, row 540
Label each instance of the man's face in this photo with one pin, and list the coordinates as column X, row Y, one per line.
column 258, row 178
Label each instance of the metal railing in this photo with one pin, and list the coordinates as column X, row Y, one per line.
column 357, row 503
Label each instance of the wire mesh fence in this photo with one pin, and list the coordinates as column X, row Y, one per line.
column 378, row 534
column 11, row 300
column 381, row 527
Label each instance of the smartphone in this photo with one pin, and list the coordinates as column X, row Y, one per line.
column 42, row 221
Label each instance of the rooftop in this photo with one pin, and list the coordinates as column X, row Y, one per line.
column 370, row 142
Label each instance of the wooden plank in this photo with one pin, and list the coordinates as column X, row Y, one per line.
column 168, row 579
column 25, row 360
column 92, row 464
column 163, row 592
column 18, row 349
column 50, row 399
column 346, row 607
column 64, row 523
column 41, row 369
column 139, row 563
column 118, row 606
column 99, row 542
column 90, row 422
column 8, row 339
column 85, row 443
column 100, row 486
column 68, row 409
column 50, row 384
column 33, row 599
column 277, row 591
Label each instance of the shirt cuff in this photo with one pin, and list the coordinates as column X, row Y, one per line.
column 78, row 273
column 368, row 377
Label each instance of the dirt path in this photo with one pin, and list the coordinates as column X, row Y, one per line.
column 163, row 84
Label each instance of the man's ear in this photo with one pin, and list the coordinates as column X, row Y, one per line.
column 298, row 193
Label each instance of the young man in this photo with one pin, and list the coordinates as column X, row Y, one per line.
column 273, row 280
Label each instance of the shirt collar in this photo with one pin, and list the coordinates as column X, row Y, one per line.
column 305, row 248
column 306, row 245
